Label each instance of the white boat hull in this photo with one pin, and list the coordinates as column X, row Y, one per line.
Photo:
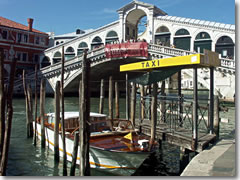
column 124, row 163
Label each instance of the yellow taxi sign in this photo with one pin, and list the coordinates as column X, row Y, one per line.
column 209, row 59
column 158, row 63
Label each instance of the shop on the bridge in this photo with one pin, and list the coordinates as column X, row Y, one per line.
column 225, row 47
column 182, row 39
column 202, row 41
column 162, row 36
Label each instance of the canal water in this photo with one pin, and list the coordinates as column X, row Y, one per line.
column 27, row 160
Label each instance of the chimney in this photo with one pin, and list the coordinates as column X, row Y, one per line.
column 30, row 23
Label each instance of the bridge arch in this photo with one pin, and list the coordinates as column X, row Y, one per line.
column 111, row 37
column 162, row 36
column 69, row 53
column 202, row 41
column 57, row 57
column 81, row 47
column 133, row 18
column 182, row 39
column 96, row 42
column 45, row 62
column 225, row 46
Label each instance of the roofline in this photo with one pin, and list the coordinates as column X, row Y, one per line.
column 43, row 33
column 100, row 28
column 193, row 23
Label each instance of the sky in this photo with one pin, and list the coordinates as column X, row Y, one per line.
column 65, row 16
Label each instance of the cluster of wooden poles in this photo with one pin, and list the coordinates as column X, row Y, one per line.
column 82, row 136
column 6, row 112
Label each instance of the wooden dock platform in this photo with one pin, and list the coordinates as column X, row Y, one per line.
column 180, row 136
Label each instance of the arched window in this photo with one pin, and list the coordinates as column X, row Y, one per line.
column 57, row 57
column 96, row 42
column 182, row 39
column 203, row 35
column 225, row 47
column 111, row 37
column 81, row 47
column 162, row 29
column 162, row 36
column 182, row 32
column 202, row 41
column 69, row 53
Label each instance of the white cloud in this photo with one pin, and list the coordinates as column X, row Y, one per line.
column 109, row 11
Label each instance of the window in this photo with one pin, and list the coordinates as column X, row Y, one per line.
column 37, row 39
column 42, row 41
column 4, row 34
column 25, row 38
column 5, row 54
column 224, row 53
column 19, row 56
column 22, row 56
column 19, row 37
column 36, row 58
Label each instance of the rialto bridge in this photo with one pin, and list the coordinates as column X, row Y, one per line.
column 166, row 36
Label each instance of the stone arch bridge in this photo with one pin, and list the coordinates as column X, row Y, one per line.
column 102, row 67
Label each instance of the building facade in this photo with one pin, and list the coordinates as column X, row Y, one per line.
column 21, row 42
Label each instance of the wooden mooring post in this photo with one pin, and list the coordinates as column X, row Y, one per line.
column 133, row 104
column 117, row 114
column 211, row 98
column 110, row 98
column 216, row 122
column 163, row 103
column 142, row 111
column 102, row 95
column 74, row 153
column 180, row 108
column 30, row 112
column 84, row 131
column 2, row 101
column 8, row 127
column 127, row 97
column 62, row 117
column 36, row 101
column 57, row 120
column 42, row 111
column 153, row 113
column 195, row 110
column 28, row 101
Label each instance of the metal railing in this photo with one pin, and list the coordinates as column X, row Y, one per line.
column 176, row 113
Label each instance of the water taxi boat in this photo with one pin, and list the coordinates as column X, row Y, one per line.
column 115, row 146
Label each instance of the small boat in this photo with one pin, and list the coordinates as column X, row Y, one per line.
column 115, row 146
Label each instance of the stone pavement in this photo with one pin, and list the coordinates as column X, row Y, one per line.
column 218, row 160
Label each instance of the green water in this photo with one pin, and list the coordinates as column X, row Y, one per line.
column 27, row 160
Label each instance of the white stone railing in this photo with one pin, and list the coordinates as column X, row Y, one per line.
column 76, row 60
column 153, row 48
column 228, row 63
column 167, row 50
